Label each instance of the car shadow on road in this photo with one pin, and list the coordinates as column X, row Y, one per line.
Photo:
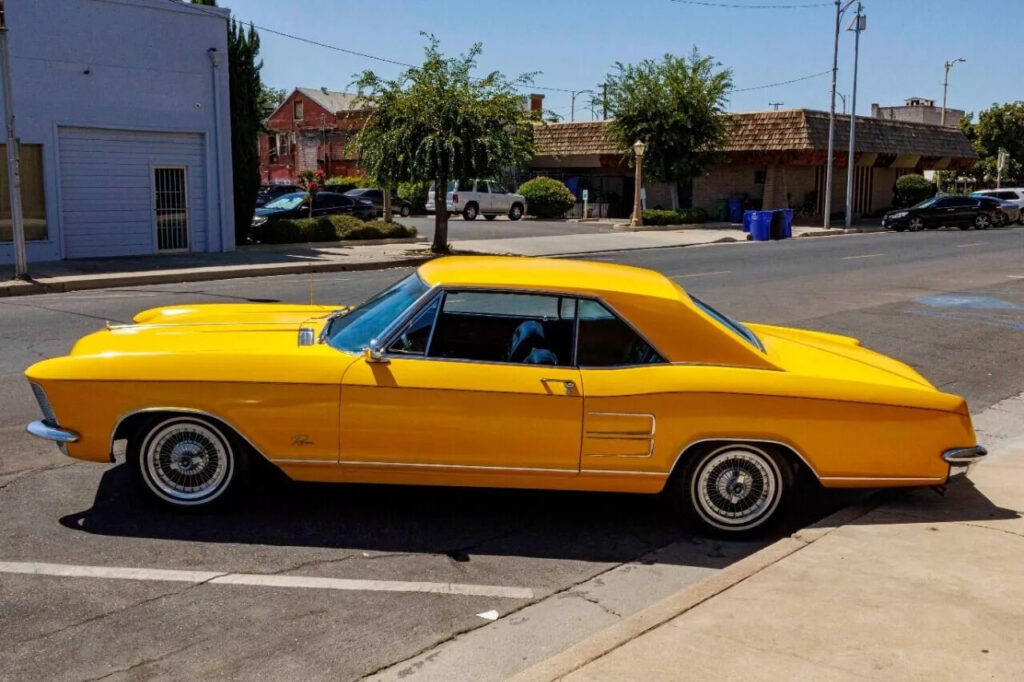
column 457, row 522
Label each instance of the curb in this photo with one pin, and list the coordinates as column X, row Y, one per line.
column 337, row 244
column 89, row 282
column 836, row 232
column 596, row 646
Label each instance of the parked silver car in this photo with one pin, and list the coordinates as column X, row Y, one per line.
column 1010, row 195
column 480, row 197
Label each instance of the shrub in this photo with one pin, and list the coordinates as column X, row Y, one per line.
column 682, row 216
column 547, row 197
column 912, row 189
column 343, row 224
column 343, row 183
column 378, row 229
column 280, row 232
column 330, row 229
column 416, row 194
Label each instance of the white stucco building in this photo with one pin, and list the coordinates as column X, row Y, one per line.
column 122, row 110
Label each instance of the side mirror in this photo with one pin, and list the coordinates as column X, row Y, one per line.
column 374, row 354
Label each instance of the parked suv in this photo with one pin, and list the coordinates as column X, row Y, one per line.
column 480, row 197
column 961, row 211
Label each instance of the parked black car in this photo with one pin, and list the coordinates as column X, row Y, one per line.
column 963, row 212
column 268, row 193
column 398, row 205
column 296, row 205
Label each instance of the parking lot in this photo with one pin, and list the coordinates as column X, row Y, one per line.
column 339, row 582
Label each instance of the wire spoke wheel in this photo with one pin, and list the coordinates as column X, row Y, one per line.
column 736, row 487
column 186, row 461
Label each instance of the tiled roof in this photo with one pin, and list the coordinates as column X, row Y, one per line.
column 330, row 100
column 766, row 131
column 579, row 137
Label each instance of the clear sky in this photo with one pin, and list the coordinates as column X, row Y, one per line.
column 573, row 43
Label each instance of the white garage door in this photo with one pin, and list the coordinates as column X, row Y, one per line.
column 126, row 193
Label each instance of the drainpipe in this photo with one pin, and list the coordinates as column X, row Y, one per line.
column 216, row 58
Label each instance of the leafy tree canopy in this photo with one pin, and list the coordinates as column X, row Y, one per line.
column 674, row 106
column 1000, row 126
column 436, row 122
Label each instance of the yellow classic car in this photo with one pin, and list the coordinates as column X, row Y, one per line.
column 511, row 372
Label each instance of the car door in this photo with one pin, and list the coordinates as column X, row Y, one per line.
column 499, row 198
column 482, row 196
column 479, row 380
column 621, row 414
column 324, row 203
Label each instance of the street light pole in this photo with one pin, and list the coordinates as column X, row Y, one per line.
column 945, row 85
column 859, row 24
column 13, row 162
column 638, row 216
column 843, row 98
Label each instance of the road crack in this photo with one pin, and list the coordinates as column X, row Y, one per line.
column 144, row 662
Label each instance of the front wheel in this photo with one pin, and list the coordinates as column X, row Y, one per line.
column 405, row 211
column 736, row 489
column 186, row 462
column 916, row 224
column 516, row 212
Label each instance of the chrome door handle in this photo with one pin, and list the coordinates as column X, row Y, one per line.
column 569, row 384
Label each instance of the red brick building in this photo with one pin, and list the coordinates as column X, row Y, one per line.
column 311, row 129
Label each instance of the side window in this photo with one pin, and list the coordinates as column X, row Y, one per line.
column 414, row 339
column 496, row 188
column 481, row 186
column 532, row 329
column 607, row 341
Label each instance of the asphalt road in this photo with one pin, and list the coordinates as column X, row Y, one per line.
column 949, row 303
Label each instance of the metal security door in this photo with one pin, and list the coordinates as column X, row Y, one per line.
column 170, row 205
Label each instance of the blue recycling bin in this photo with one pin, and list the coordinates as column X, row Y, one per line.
column 761, row 225
column 748, row 218
column 787, row 214
column 736, row 209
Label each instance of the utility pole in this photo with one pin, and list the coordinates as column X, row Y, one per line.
column 13, row 161
column 604, row 101
column 776, row 105
column 858, row 24
column 840, row 8
column 945, row 85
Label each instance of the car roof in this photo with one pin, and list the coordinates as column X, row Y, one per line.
column 511, row 272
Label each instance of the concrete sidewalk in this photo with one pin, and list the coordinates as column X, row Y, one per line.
column 912, row 587
column 260, row 261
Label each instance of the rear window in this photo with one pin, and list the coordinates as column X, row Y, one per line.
column 737, row 328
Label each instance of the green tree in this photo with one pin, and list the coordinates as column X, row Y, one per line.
column 436, row 122
column 1000, row 126
column 270, row 98
column 246, row 121
column 675, row 107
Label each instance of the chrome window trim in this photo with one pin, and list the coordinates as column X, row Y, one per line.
column 390, row 332
column 399, row 319
column 385, row 347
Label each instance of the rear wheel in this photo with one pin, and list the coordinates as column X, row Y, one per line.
column 187, row 462
column 404, row 212
column 736, row 489
column 470, row 212
column 982, row 221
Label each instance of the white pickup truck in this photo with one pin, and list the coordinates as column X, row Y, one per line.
column 480, row 197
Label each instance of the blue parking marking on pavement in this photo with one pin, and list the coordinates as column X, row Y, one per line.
column 957, row 301
column 984, row 318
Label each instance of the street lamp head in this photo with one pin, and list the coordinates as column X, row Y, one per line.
column 638, row 148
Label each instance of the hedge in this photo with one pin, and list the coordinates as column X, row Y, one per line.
column 330, row 229
column 912, row 189
column 683, row 216
column 343, row 183
column 547, row 197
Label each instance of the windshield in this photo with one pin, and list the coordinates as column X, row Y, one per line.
column 736, row 327
column 926, row 203
column 353, row 331
column 287, row 202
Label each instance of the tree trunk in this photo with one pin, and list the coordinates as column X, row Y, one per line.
column 440, row 244
column 387, row 204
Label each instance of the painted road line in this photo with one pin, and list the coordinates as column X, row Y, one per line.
column 866, row 255
column 964, row 246
column 261, row 580
column 700, row 274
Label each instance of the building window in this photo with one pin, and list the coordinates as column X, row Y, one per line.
column 297, row 110
column 759, row 175
column 33, row 201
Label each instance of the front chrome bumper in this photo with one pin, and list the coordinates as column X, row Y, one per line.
column 961, row 460
column 43, row 429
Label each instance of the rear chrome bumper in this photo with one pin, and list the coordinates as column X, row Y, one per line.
column 43, row 429
column 961, row 460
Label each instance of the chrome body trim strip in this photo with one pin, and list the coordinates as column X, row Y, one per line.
column 469, row 467
column 43, row 429
column 965, row 455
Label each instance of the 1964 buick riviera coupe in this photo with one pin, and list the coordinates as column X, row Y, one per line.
column 504, row 372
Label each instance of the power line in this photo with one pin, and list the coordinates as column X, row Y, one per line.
column 726, row 5
column 793, row 80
